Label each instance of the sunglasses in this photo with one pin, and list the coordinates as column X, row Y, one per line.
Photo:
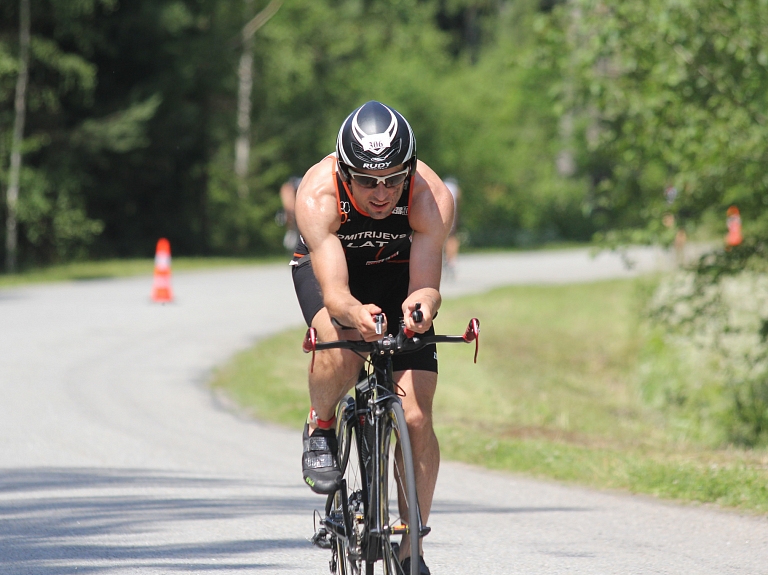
column 390, row 181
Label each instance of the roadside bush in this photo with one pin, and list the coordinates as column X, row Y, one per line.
column 706, row 361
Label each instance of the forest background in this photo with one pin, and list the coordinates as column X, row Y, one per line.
column 561, row 120
column 612, row 121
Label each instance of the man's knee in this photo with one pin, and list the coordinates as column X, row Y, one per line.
column 336, row 366
column 419, row 387
column 418, row 420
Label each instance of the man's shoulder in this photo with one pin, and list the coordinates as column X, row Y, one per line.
column 431, row 201
column 320, row 179
column 427, row 182
column 325, row 167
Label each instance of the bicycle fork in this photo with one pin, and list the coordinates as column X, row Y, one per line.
column 380, row 531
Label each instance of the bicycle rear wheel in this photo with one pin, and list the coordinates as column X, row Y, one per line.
column 398, row 501
column 348, row 505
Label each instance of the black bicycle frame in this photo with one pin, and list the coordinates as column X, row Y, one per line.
column 372, row 396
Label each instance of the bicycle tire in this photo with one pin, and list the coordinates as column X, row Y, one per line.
column 398, row 475
column 348, row 557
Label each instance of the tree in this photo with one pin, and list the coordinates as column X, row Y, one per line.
column 245, row 88
column 669, row 94
column 674, row 95
column 20, row 108
column 48, row 217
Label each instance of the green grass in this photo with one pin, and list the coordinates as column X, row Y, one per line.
column 270, row 379
column 553, row 395
column 119, row 268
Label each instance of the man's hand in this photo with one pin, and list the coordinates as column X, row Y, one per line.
column 365, row 321
column 425, row 306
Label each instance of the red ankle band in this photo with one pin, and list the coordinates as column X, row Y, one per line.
column 321, row 423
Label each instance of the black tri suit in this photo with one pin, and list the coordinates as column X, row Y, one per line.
column 378, row 257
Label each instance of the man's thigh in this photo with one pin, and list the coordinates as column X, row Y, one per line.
column 336, row 365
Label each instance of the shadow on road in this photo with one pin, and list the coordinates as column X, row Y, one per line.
column 66, row 521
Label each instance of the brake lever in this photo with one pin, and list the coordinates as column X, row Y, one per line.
column 472, row 333
column 379, row 320
column 309, row 346
column 417, row 316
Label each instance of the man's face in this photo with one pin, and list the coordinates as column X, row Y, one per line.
column 379, row 201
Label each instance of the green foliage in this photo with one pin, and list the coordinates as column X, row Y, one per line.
column 667, row 93
column 711, row 332
column 674, row 94
column 241, row 224
column 132, row 107
column 52, row 212
column 121, row 132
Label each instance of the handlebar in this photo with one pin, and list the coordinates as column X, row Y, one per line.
column 404, row 342
column 417, row 315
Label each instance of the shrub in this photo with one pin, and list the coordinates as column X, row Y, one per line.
column 707, row 357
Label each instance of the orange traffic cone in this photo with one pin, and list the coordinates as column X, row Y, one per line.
column 733, row 221
column 161, row 287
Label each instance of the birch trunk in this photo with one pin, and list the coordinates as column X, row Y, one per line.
column 20, row 107
column 244, row 92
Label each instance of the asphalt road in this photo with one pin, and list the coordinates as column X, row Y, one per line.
column 115, row 457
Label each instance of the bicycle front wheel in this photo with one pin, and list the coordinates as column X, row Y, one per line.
column 398, row 500
column 348, row 504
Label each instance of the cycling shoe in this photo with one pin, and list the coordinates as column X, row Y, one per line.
column 318, row 462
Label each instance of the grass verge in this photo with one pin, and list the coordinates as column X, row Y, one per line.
column 553, row 395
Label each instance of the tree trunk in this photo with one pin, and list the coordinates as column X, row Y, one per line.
column 20, row 106
column 245, row 89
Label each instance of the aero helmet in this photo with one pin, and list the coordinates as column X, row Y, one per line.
column 375, row 137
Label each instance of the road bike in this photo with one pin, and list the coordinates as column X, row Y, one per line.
column 377, row 500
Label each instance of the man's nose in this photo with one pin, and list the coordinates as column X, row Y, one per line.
column 381, row 190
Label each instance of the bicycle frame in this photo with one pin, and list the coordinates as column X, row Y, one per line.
column 375, row 392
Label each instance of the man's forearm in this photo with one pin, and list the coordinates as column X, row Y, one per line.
column 341, row 308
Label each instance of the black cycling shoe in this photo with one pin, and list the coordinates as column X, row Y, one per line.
column 423, row 569
column 318, row 462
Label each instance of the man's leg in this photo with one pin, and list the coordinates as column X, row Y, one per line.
column 419, row 387
column 335, row 370
column 333, row 375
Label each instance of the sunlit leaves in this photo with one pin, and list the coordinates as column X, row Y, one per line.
column 684, row 83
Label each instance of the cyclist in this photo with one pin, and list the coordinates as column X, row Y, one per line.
column 373, row 221
column 453, row 242
column 288, row 200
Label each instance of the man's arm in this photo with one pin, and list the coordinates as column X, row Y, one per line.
column 318, row 218
column 431, row 218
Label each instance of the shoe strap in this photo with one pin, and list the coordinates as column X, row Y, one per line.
column 317, row 443
column 318, row 460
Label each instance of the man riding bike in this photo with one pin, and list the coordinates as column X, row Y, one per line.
column 373, row 221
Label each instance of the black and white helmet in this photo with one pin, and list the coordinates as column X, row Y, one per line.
column 375, row 137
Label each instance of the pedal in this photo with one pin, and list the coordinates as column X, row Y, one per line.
column 322, row 539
